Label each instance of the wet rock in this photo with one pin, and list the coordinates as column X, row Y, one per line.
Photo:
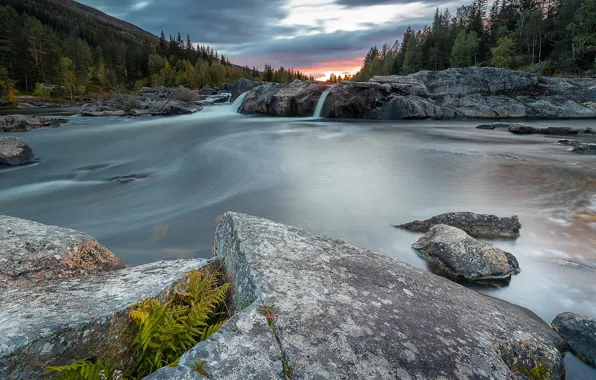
column 494, row 126
column 295, row 99
column 579, row 331
column 346, row 312
column 584, row 148
column 13, row 151
column 590, row 131
column 57, row 322
column 476, row 225
column 129, row 178
column 22, row 123
column 521, row 129
column 32, row 252
column 461, row 256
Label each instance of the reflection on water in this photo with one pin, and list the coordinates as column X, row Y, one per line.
column 348, row 179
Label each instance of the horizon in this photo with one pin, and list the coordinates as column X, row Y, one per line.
column 315, row 37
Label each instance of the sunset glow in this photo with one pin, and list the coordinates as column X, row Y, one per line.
column 323, row 70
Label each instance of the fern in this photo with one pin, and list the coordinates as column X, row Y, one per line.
column 84, row 370
column 192, row 314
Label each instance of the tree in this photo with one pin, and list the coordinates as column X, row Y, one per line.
column 504, row 52
column 464, row 49
column 68, row 77
column 410, row 56
column 585, row 29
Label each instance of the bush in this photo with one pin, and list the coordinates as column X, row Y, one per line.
column 185, row 95
column 42, row 91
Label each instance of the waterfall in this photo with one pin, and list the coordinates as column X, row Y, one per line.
column 320, row 104
column 238, row 102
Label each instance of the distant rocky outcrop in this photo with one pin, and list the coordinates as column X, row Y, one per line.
column 13, row 151
column 23, row 123
column 298, row 98
column 579, row 331
column 476, row 225
column 157, row 101
column 32, row 252
column 346, row 312
column 461, row 256
column 475, row 92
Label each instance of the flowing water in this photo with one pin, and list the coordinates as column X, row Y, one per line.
column 152, row 189
column 320, row 104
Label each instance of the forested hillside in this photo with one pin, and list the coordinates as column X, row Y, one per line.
column 63, row 48
column 549, row 36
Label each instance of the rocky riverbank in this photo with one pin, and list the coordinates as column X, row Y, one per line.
column 23, row 123
column 307, row 306
column 466, row 92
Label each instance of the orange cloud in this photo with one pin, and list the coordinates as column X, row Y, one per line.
column 323, row 70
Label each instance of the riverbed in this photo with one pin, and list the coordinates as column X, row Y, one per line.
column 153, row 189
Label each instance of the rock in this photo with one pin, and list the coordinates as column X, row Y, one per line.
column 57, row 322
column 13, row 151
column 242, row 85
column 556, row 106
column 494, row 126
column 521, row 129
column 31, row 252
column 476, row 225
column 584, row 148
column 346, row 312
column 490, row 107
column 461, row 256
column 295, row 99
column 590, row 131
column 22, row 123
column 158, row 101
column 579, row 331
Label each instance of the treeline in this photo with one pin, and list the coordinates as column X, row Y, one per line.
column 548, row 36
column 52, row 49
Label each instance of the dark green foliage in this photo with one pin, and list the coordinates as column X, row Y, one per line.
column 549, row 36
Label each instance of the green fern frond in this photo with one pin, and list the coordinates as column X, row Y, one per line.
column 83, row 370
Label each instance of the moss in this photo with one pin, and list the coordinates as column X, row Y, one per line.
column 540, row 372
column 200, row 368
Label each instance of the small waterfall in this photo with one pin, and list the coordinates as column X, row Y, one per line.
column 321, row 103
column 238, row 102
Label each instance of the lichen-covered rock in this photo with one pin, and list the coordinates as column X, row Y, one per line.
column 22, row 123
column 461, row 256
column 57, row 322
column 31, row 252
column 346, row 312
column 476, row 225
column 14, row 151
column 298, row 98
column 579, row 331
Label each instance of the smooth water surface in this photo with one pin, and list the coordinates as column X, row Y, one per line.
column 348, row 179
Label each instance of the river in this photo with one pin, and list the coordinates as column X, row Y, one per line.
column 348, row 179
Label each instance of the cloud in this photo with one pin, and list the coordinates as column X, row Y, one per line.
column 311, row 35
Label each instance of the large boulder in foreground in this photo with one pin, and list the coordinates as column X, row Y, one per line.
column 22, row 123
column 32, row 252
column 13, row 151
column 57, row 322
column 579, row 331
column 461, row 256
column 298, row 98
column 346, row 312
column 240, row 86
column 476, row 225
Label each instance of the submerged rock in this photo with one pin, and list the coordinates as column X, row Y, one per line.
column 461, row 256
column 22, row 123
column 521, row 129
column 58, row 322
column 579, row 331
column 476, row 225
column 13, row 151
column 584, row 148
column 295, row 99
column 346, row 312
column 32, row 252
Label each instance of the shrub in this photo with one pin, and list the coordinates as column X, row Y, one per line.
column 42, row 91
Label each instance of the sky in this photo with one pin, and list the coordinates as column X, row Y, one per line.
column 317, row 37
